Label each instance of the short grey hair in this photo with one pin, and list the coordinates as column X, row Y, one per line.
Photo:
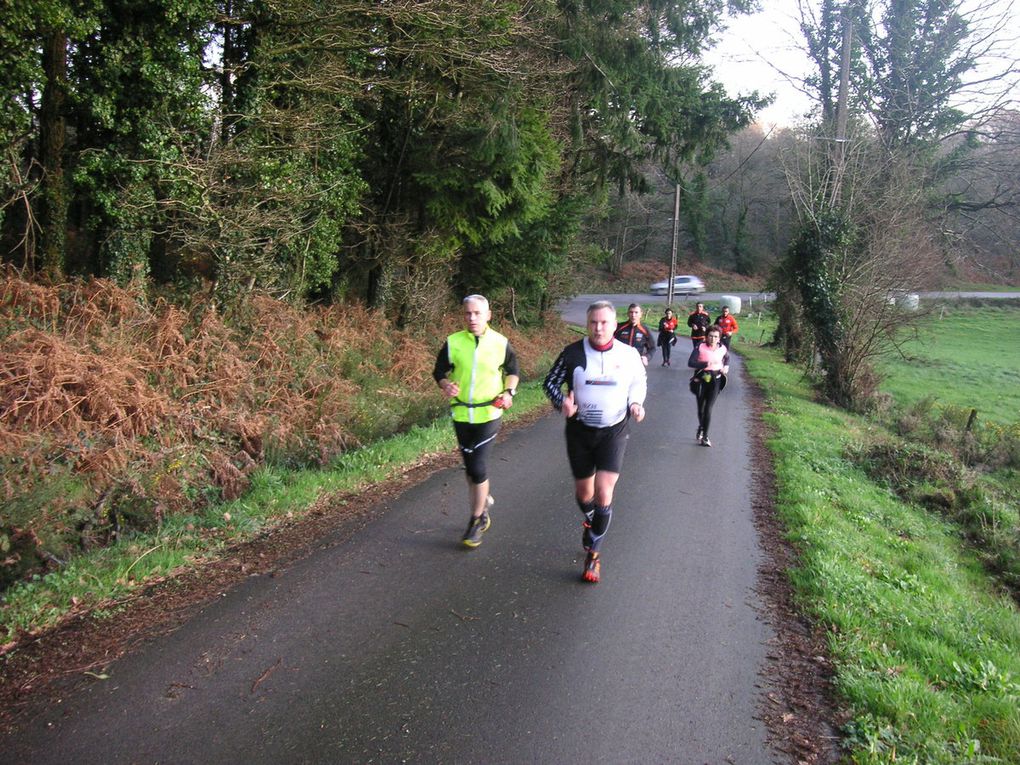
column 476, row 299
column 598, row 305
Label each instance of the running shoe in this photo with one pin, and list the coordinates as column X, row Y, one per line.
column 699, row 434
column 476, row 527
column 586, row 535
column 592, row 566
column 705, row 441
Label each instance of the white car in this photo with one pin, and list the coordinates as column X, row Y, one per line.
column 682, row 285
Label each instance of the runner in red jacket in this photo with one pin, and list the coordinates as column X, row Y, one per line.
column 667, row 335
column 727, row 324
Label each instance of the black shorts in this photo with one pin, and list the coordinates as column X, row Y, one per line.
column 592, row 449
column 475, row 441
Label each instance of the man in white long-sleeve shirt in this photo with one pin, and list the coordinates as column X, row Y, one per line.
column 606, row 386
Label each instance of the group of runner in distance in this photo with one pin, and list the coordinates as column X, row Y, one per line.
column 598, row 383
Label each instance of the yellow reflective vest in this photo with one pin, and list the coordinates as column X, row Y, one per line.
column 476, row 368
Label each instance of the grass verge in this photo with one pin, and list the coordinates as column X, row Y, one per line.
column 926, row 650
column 99, row 580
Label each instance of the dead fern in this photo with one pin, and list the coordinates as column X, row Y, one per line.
column 117, row 409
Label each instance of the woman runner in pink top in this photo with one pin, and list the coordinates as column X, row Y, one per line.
column 711, row 364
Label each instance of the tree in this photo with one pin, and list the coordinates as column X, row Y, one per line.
column 391, row 151
column 984, row 204
column 33, row 127
column 52, row 134
column 463, row 161
column 636, row 90
column 870, row 200
column 138, row 103
column 642, row 105
column 752, row 210
column 841, row 283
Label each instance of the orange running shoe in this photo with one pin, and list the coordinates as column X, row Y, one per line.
column 592, row 566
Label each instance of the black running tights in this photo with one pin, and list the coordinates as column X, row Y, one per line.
column 707, row 395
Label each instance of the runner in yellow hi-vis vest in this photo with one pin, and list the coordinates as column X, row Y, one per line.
column 477, row 369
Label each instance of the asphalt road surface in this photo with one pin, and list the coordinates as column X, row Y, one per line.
column 398, row 645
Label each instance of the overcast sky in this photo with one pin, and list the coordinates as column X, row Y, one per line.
column 763, row 52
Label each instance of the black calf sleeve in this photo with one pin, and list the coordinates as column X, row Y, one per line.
column 600, row 525
column 586, row 507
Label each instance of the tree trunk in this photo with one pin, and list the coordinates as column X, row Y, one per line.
column 52, row 132
column 227, row 106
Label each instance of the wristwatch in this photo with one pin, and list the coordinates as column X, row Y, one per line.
column 511, row 391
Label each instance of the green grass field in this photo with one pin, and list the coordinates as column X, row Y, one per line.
column 925, row 645
column 966, row 357
column 925, row 642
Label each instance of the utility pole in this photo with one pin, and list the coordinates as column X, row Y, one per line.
column 672, row 256
column 842, row 107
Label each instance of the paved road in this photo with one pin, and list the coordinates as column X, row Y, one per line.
column 398, row 645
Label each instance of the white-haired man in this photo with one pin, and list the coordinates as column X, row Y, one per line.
column 606, row 386
column 477, row 370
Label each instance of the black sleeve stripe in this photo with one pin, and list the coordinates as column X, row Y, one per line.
column 552, row 385
column 575, row 357
column 562, row 372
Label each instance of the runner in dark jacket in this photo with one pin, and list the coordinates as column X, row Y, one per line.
column 698, row 321
column 636, row 334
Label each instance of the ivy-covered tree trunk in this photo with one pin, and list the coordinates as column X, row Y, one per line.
column 52, row 133
column 814, row 260
column 695, row 209
column 791, row 330
column 743, row 258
